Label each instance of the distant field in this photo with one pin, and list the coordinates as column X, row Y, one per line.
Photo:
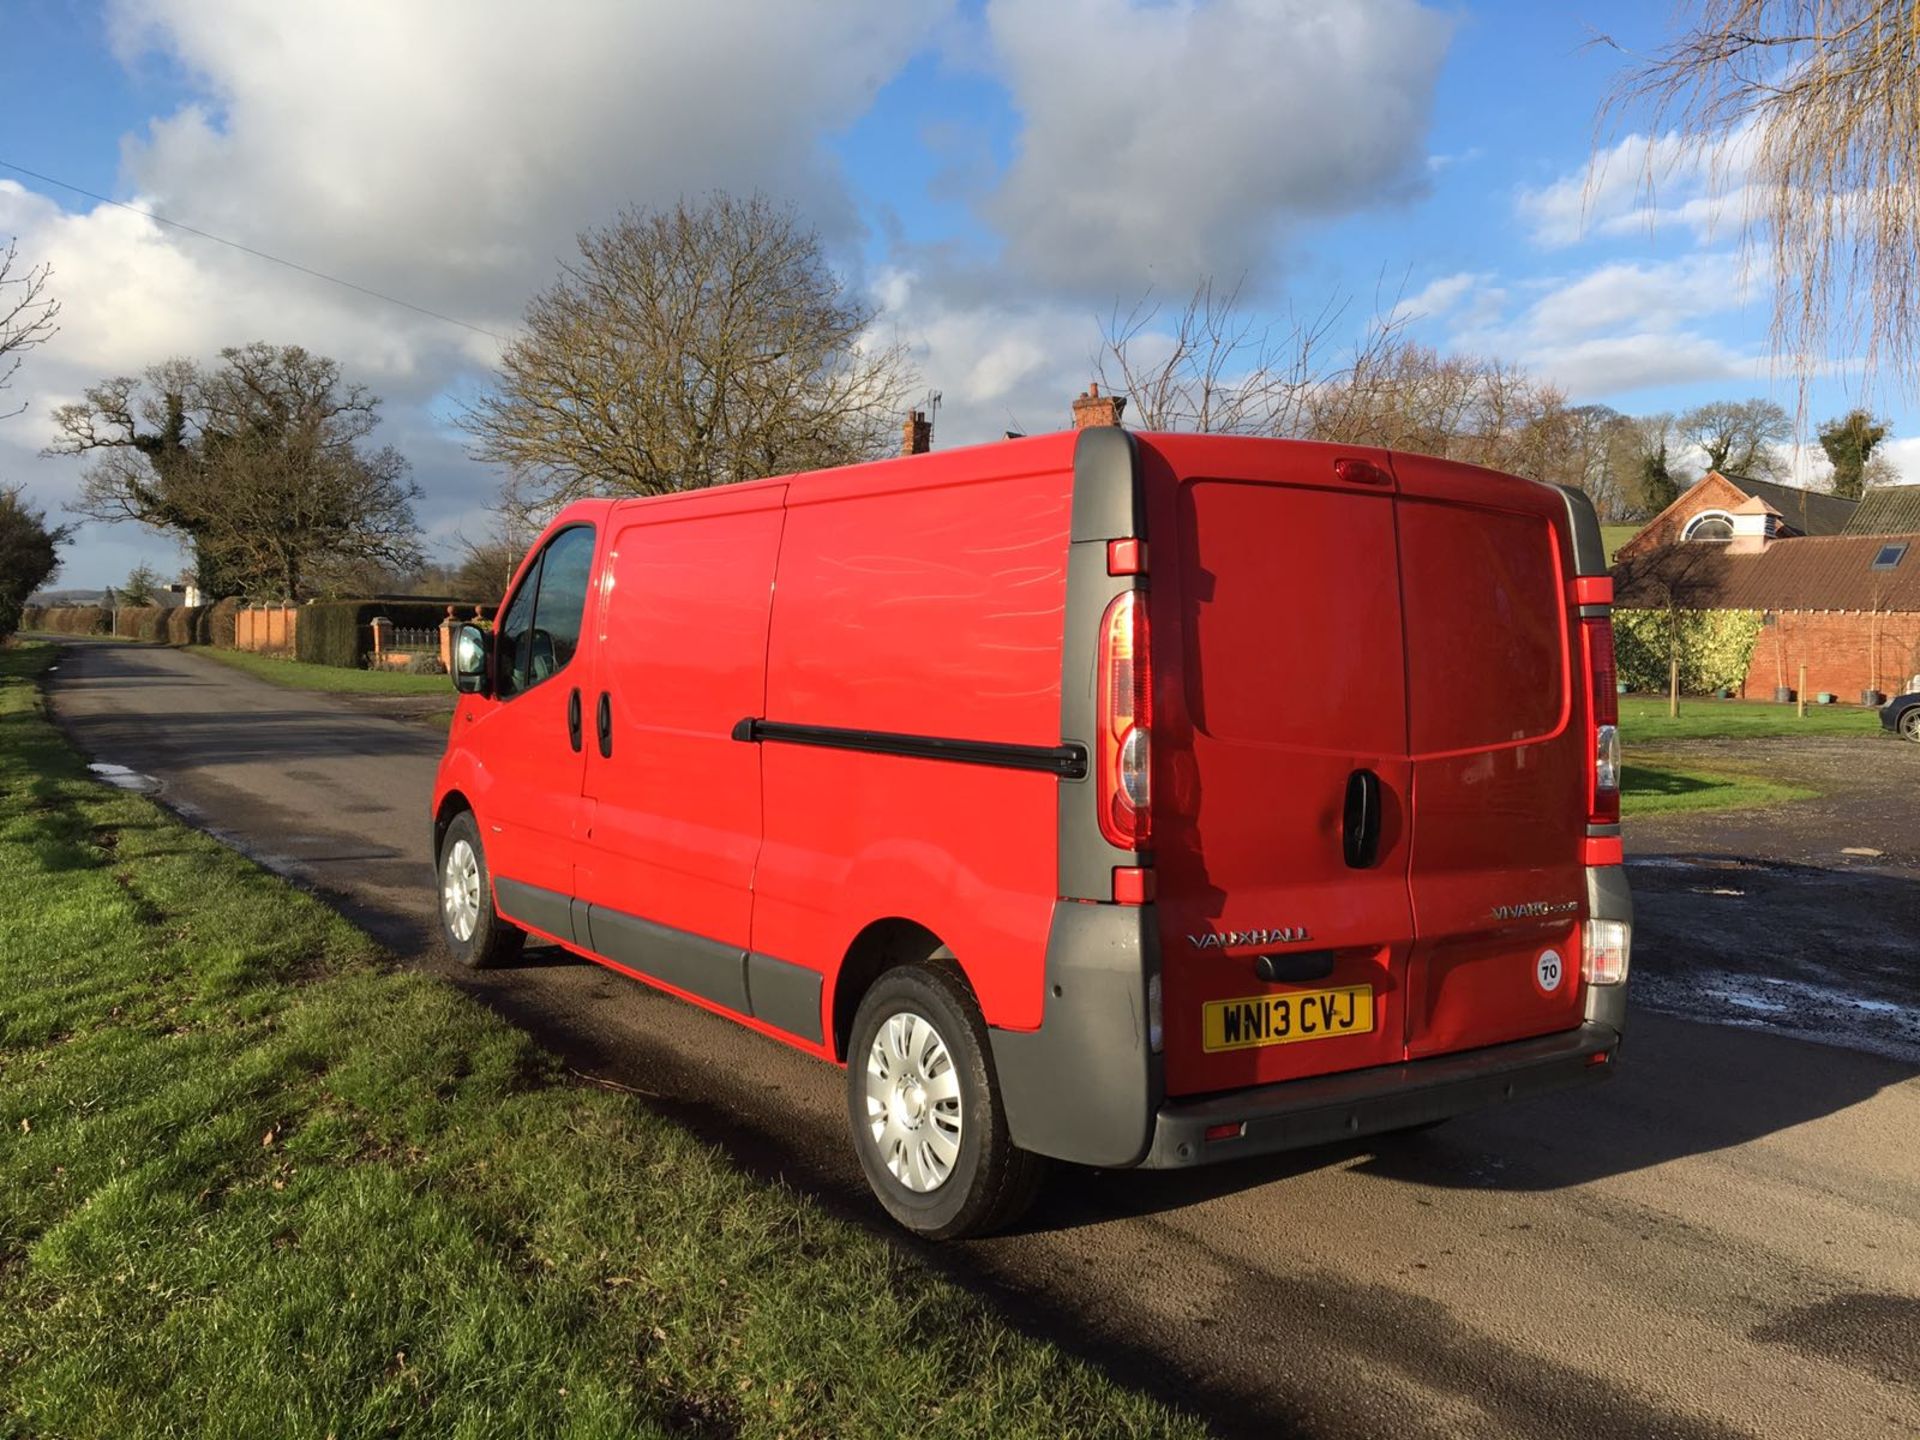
column 300, row 676
column 1644, row 719
column 1614, row 536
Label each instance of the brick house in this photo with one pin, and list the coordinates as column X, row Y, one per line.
column 1836, row 582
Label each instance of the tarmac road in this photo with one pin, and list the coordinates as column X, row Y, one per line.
column 1723, row 1240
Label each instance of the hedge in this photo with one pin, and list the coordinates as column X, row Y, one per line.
column 1716, row 647
column 141, row 622
column 181, row 624
column 340, row 632
column 75, row 620
column 217, row 624
column 33, row 617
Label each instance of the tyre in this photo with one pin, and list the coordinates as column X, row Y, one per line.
column 473, row 930
column 926, row 1117
column 1910, row 723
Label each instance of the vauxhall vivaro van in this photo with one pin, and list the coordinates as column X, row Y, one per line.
column 1125, row 799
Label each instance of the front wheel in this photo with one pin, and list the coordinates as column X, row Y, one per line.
column 926, row 1120
column 1910, row 723
column 474, row 932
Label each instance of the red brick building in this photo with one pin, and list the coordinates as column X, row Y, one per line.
column 1837, row 582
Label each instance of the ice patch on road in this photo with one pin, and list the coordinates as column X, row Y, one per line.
column 1803, row 1009
column 123, row 778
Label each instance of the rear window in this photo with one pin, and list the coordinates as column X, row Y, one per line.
column 1486, row 627
column 1291, row 614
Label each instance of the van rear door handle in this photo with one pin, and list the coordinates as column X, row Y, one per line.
column 1360, row 832
column 573, row 718
column 603, row 724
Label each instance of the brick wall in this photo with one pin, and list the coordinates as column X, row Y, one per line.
column 269, row 629
column 1839, row 650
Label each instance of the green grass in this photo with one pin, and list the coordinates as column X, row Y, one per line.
column 255, row 1181
column 1663, row 789
column 299, row 675
column 1614, row 536
column 1644, row 720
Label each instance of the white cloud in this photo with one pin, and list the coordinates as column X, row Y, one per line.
column 1439, row 297
column 1904, row 455
column 444, row 151
column 1644, row 184
column 1167, row 141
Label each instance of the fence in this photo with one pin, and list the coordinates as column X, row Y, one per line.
column 266, row 629
column 401, row 646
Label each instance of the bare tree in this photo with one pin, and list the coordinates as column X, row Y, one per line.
column 27, row 314
column 684, row 348
column 257, row 463
column 1825, row 96
column 1739, row 436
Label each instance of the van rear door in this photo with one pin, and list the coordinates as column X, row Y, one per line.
column 1500, row 757
column 1275, row 596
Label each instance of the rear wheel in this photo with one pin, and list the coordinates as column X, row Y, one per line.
column 1910, row 723
column 926, row 1119
column 474, row 932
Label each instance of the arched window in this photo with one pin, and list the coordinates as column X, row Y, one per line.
column 1709, row 525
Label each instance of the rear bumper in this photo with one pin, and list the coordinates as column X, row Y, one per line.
column 1298, row 1113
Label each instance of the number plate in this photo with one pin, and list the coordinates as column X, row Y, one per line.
column 1284, row 1019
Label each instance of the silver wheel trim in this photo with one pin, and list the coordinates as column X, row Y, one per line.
column 1910, row 723
column 913, row 1107
column 460, row 891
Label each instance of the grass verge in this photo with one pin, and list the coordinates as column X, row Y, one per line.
column 256, row 1182
column 1664, row 789
column 1644, row 720
column 334, row 679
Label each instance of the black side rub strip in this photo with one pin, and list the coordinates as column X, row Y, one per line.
column 1069, row 762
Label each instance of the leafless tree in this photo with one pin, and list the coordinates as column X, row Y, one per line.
column 689, row 347
column 27, row 314
column 257, row 463
column 1739, row 436
column 1825, row 96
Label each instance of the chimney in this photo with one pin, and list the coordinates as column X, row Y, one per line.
column 916, row 436
column 1755, row 525
column 1093, row 408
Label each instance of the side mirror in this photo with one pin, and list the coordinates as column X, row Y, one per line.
column 472, row 649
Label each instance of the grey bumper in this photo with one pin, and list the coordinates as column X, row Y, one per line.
column 1297, row 1113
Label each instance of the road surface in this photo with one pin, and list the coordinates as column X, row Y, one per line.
column 1725, row 1240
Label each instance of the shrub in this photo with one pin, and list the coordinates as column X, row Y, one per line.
column 78, row 620
column 141, row 622
column 181, row 624
column 340, row 632
column 217, row 623
column 33, row 617
column 1716, row 647
column 425, row 665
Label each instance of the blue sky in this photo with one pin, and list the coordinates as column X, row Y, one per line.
column 998, row 174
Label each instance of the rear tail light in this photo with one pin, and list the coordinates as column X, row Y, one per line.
column 1603, row 959
column 1603, row 796
column 1125, row 767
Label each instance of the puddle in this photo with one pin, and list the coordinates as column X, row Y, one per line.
column 123, row 778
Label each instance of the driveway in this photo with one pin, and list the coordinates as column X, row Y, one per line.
column 1723, row 1240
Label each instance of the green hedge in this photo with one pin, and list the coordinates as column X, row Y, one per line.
column 216, row 624
column 141, row 622
column 182, row 624
column 1716, row 647
column 340, row 632
column 32, row 617
column 76, row 620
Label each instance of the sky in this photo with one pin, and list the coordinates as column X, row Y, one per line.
column 999, row 177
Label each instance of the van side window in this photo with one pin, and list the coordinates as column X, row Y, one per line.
column 541, row 627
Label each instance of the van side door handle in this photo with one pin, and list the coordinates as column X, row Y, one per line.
column 603, row 725
column 1360, row 832
column 573, row 719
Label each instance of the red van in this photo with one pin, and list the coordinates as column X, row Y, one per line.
column 1125, row 799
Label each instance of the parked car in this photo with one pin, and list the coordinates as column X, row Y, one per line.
column 1119, row 799
column 1901, row 714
